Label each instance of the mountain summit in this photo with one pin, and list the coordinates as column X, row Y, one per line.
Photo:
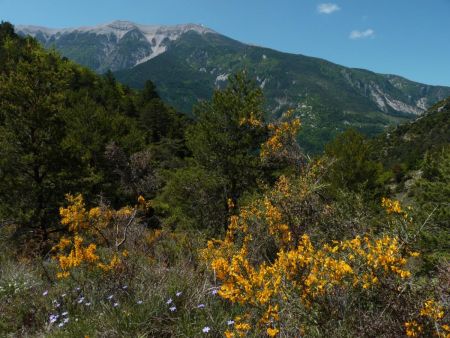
column 113, row 46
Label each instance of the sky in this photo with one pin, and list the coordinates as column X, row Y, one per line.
column 410, row 38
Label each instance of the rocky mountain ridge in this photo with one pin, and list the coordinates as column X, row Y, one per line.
column 139, row 42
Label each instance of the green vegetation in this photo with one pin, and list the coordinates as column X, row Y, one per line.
column 225, row 161
column 330, row 98
column 352, row 167
column 432, row 193
column 121, row 217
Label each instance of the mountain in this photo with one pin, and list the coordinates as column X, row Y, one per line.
column 113, row 46
column 186, row 62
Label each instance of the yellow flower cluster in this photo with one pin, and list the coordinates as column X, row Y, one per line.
column 153, row 236
column 242, row 325
column 281, row 134
column 251, row 121
column 272, row 331
column 228, row 334
column 115, row 262
column 413, row 329
column 391, row 206
column 432, row 310
column 445, row 330
column 77, row 255
column 430, row 321
column 78, row 219
column 276, row 226
column 299, row 266
column 80, row 256
column 74, row 216
column 70, row 253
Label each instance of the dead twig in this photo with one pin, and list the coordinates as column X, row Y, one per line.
column 125, row 231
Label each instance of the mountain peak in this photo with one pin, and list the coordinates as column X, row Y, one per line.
column 116, row 27
column 122, row 25
column 143, row 42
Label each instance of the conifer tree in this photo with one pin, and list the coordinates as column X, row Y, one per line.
column 222, row 143
column 34, row 166
column 226, row 159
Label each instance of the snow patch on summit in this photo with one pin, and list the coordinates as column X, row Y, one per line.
column 119, row 29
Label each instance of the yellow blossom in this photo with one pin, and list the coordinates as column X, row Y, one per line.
column 432, row 310
column 141, row 200
column 228, row 334
column 413, row 329
column 305, row 269
column 392, row 206
column 272, row 332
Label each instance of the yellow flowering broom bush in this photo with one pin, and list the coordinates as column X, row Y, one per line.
column 89, row 228
column 268, row 256
column 282, row 146
column 281, row 265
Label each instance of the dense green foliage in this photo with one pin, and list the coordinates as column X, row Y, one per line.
column 432, row 193
column 352, row 167
column 225, row 157
column 32, row 130
column 220, row 141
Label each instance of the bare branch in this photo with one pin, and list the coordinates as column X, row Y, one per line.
column 125, row 230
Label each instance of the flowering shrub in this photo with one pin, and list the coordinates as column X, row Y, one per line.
column 391, row 206
column 430, row 322
column 97, row 224
column 282, row 141
column 267, row 257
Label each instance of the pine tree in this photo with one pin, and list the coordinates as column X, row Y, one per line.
column 352, row 167
column 226, row 157
column 34, row 166
column 432, row 197
column 56, row 120
column 222, row 143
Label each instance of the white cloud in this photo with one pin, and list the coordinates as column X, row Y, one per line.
column 356, row 34
column 327, row 8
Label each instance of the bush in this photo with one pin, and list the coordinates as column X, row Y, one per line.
column 278, row 265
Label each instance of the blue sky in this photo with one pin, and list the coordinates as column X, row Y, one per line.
column 405, row 37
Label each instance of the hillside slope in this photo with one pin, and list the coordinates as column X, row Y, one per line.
column 408, row 143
